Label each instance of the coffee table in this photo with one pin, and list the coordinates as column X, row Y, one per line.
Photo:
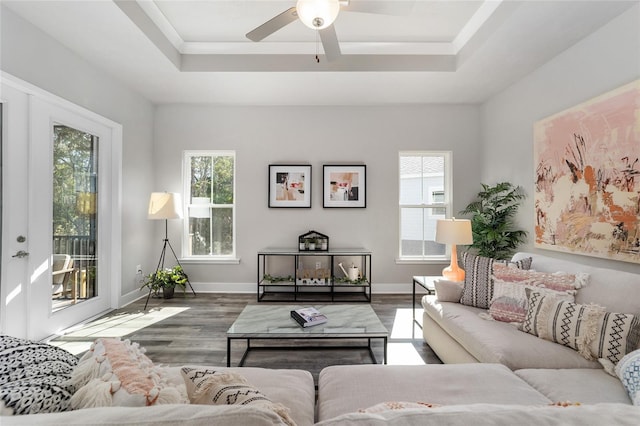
column 274, row 322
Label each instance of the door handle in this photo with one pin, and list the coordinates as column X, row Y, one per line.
column 20, row 254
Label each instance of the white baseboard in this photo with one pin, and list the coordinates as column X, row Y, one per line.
column 251, row 288
column 379, row 288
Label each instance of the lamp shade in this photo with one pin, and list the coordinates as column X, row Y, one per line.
column 165, row 205
column 454, row 231
column 318, row 14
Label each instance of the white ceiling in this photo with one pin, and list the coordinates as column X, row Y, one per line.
column 174, row 51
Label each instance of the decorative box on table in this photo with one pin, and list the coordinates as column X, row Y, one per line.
column 313, row 241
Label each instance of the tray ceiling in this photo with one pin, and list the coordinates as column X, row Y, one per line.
column 423, row 51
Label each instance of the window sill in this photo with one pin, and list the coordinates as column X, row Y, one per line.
column 418, row 261
column 211, row 261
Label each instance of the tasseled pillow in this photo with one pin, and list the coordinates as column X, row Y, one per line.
column 118, row 373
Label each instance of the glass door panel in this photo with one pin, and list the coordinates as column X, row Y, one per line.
column 75, row 216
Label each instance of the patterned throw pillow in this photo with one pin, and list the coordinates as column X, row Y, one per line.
column 628, row 370
column 617, row 335
column 33, row 377
column 559, row 321
column 509, row 302
column 116, row 372
column 215, row 387
column 478, row 282
column 589, row 329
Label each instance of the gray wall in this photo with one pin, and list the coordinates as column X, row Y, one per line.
column 33, row 56
column 372, row 135
column 316, row 135
column 607, row 59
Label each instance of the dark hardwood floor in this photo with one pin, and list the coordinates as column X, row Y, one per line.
column 192, row 330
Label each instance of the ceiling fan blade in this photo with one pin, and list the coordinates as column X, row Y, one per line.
column 401, row 7
column 273, row 25
column 330, row 43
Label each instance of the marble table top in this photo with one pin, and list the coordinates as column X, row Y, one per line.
column 274, row 321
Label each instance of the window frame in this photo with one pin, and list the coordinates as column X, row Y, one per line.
column 186, row 179
column 447, row 204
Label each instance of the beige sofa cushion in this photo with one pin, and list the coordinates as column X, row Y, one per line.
column 167, row 414
column 499, row 342
column 212, row 387
column 292, row 388
column 349, row 388
column 491, row 415
column 584, row 385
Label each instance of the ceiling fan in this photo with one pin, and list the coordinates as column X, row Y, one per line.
column 320, row 15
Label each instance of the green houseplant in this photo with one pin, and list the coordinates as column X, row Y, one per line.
column 166, row 280
column 492, row 220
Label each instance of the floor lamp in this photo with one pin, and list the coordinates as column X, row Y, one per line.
column 454, row 231
column 165, row 206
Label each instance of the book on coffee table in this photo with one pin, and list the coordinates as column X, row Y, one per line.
column 307, row 317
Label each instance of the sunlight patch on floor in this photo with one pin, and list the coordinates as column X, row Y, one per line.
column 403, row 354
column 122, row 324
column 403, row 325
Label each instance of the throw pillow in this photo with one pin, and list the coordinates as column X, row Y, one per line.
column 448, row 291
column 617, row 335
column 509, row 302
column 33, row 377
column 589, row 329
column 559, row 321
column 218, row 387
column 628, row 370
column 118, row 373
column 478, row 282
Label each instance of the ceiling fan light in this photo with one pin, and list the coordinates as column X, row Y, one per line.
column 318, row 14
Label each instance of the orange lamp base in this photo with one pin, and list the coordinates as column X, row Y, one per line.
column 453, row 272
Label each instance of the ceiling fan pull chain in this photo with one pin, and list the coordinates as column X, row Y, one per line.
column 317, row 46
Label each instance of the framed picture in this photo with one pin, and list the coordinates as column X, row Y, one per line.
column 587, row 186
column 290, row 186
column 344, row 186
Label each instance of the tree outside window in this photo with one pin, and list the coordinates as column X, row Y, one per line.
column 210, row 203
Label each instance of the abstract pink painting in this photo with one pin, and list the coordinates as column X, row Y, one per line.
column 587, row 188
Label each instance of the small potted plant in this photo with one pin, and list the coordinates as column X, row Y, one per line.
column 166, row 280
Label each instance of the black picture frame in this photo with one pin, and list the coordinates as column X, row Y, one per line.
column 290, row 186
column 344, row 186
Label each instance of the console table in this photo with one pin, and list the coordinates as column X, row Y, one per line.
column 314, row 284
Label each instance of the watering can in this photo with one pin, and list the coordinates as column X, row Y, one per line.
column 352, row 272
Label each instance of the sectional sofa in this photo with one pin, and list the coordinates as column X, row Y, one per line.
column 461, row 394
column 494, row 374
column 457, row 332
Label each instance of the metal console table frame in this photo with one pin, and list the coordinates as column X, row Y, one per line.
column 322, row 292
column 426, row 282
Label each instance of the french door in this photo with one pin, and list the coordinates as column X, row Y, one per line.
column 59, row 215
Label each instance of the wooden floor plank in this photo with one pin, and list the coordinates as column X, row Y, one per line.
column 191, row 330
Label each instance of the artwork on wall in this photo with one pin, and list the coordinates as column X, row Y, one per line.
column 587, row 189
column 290, row 186
column 344, row 186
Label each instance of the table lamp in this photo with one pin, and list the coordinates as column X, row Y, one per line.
column 454, row 231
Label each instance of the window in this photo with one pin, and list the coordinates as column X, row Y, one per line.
column 209, row 179
column 425, row 197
